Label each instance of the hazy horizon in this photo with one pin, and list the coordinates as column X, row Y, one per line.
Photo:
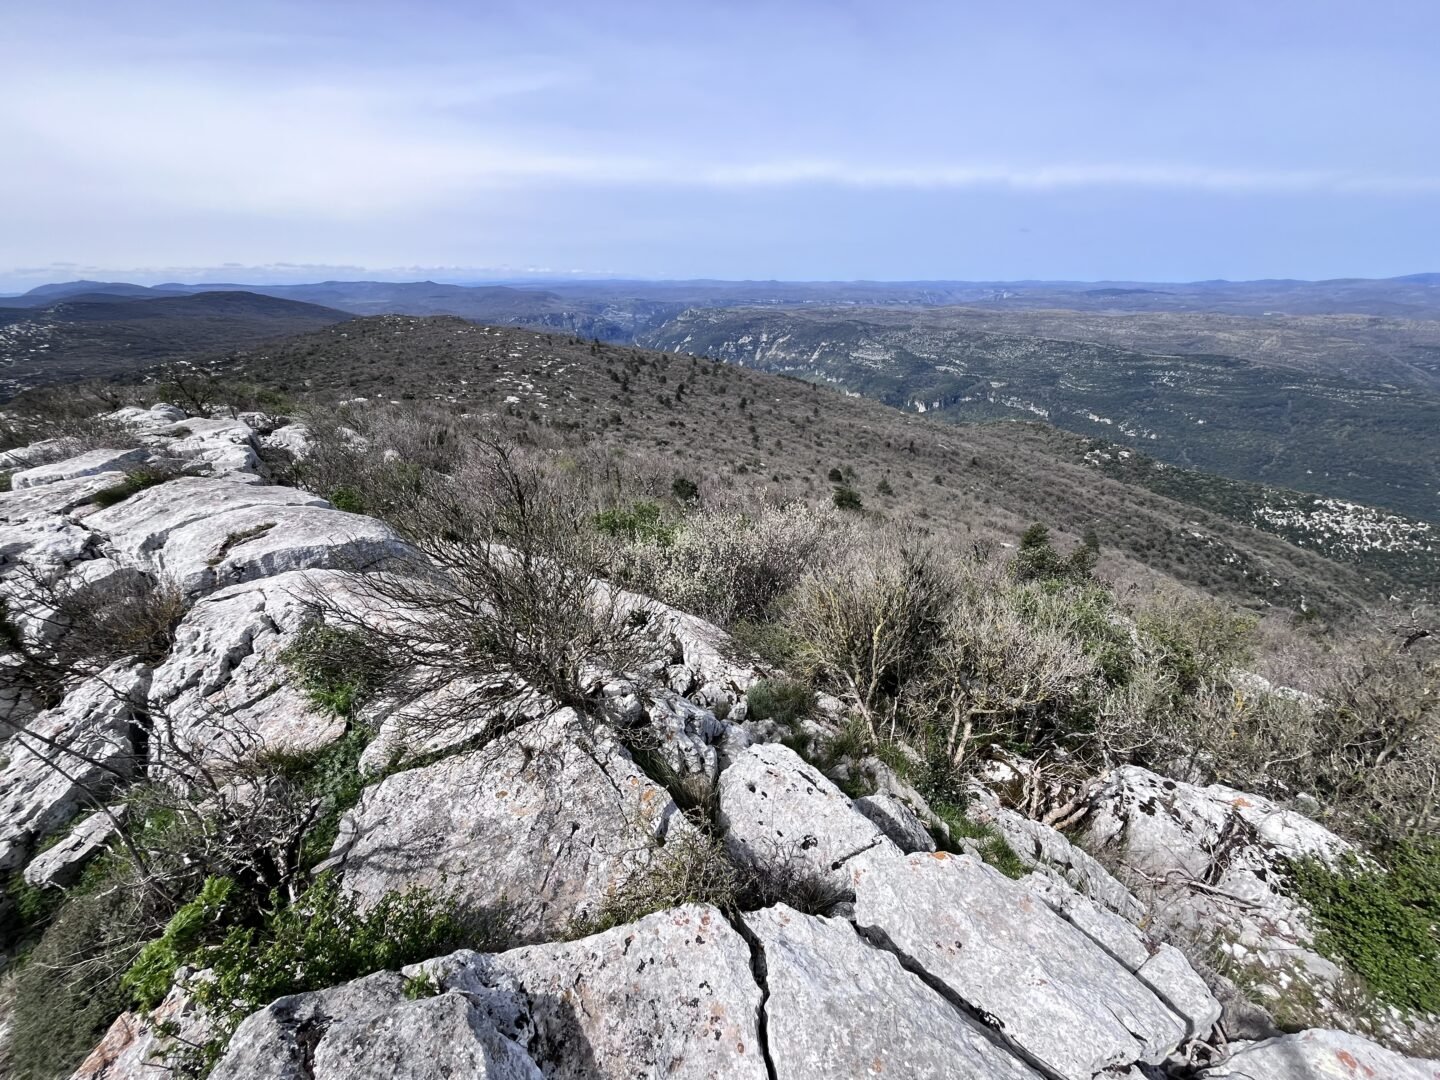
column 155, row 141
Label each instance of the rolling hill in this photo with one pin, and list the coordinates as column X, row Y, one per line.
column 1287, row 424
column 725, row 425
column 89, row 335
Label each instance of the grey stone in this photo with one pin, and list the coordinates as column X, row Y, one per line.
column 1054, row 993
column 1160, row 966
column 218, row 446
column 838, row 1008
column 779, row 813
column 543, row 823
column 204, row 534
column 60, row 866
column 223, row 690
column 140, row 1046
column 1321, row 1054
column 91, row 728
column 670, row 995
column 897, row 821
column 1210, row 860
column 276, row 1043
column 1046, row 849
column 91, row 463
column 434, row 1038
column 293, row 438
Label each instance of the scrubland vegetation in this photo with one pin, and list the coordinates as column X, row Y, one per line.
column 944, row 645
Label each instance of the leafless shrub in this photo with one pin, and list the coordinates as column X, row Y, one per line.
column 503, row 603
column 63, row 628
column 869, row 624
column 1000, row 674
column 725, row 564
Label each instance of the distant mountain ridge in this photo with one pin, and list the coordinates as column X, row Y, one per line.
column 88, row 334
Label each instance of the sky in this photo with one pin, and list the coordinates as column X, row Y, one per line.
column 1141, row 140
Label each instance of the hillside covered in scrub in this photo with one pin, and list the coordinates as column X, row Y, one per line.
column 442, row 738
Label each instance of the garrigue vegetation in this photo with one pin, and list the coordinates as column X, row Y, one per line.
column 944, row 648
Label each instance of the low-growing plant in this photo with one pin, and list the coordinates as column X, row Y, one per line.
column 321, row 939
column 347, row 499
column 783, row 700
column 149, row 979
column 641, row 521
column 136, row 480
column 1383, row 922
column 339, row 668
column 847, row 498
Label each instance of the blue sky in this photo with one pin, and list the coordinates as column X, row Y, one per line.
column 1111, row 139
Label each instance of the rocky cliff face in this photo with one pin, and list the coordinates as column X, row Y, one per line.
column 929, row 963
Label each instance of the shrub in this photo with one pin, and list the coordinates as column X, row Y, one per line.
column 323, row 939
column 338, row 668
column 347, row 499
column 1383, row 923
column 782, row 700
column 641, row 521
column 330, row 778
column 868, row 626
column 67, row 990
column 725, row 565
column 691, row 867
column 1037, row 559
column 135, row 480
column 684, row 489
column 148, row 980
column 847, row 498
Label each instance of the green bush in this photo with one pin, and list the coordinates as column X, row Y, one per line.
column 323, row 939
column 1383, row 923
column 150, row 977
column 331, row 776
column 136, row 480
column 783, row 700
column 1037, row 559
column 641, row 521
column 684, row 489
column 339, row 669
column 347, row 499
column 847, row 498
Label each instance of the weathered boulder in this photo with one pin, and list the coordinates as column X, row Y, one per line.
column 430, row 1039
column 781, row 815
column 542, row 824
column 670, row 995
column 138, row 1047
column 219, row 446
column 60, row 866
column 897, row 821
column 410, row 727
column 700, row 661
column 203, row 534
column 1320, row 1054
column 222, row 691
column 837, row 1007
column 1046, row 850
column 157, row 417
column 91, row 463
column 1160, row 966
column 1054, row 994
column 36, row 527
column 292, row 438
column 88, row 737
column 1211, row 863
